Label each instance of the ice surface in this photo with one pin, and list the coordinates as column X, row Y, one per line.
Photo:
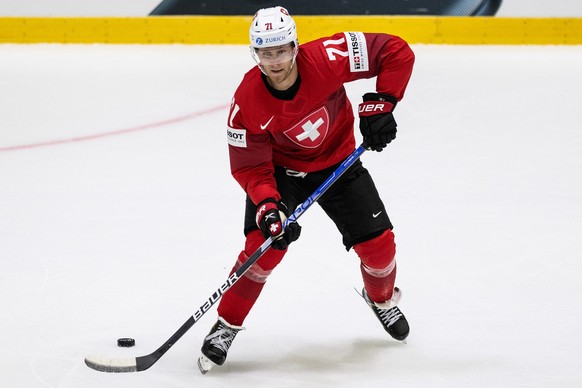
column 119, row 218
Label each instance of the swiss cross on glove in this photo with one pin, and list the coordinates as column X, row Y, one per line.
column 377, row 123
column 270, row 217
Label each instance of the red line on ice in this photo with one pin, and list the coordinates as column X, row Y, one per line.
column 115, row 133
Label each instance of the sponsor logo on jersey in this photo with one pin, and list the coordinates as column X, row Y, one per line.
column 237, row 137
column 357, row 51
column 310, row 131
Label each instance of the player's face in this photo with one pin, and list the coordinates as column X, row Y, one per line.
column 277, row 63
column 281, row 75
column 276, row 55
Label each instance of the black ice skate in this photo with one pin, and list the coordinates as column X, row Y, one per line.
column 390, row 316
column 216, row 344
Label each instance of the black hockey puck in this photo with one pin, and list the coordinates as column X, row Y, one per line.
column 126, row 342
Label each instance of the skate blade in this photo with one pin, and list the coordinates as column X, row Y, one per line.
column 204, row 364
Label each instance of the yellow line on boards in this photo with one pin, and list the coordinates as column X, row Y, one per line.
column 234, row 29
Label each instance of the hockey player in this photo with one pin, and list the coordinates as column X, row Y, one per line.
column 290, row 125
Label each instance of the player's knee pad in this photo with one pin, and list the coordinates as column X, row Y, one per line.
column 377, row 254
column 265, row 265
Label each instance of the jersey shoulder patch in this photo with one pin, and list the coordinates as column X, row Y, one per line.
column 237, row 137
column 357, row 51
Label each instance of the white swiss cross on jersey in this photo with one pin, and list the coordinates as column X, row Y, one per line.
column 310, row 131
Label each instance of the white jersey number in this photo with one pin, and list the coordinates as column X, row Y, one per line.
column 233, row 111
column 333, row 51
column 357, row 50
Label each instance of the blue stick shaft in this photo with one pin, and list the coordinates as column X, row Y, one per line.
column 347, row 163
column 334, row 176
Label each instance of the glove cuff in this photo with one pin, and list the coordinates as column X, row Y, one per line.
column 371, row 108
column 380, row 97
column 376, row 103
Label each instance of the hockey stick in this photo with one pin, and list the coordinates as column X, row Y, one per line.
column 137, row 364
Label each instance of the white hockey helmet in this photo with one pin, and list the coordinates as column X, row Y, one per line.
column 272, row 27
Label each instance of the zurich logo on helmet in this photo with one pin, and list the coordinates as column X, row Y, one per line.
column 259, row 41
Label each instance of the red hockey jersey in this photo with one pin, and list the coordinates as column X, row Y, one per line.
column 315, row 129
